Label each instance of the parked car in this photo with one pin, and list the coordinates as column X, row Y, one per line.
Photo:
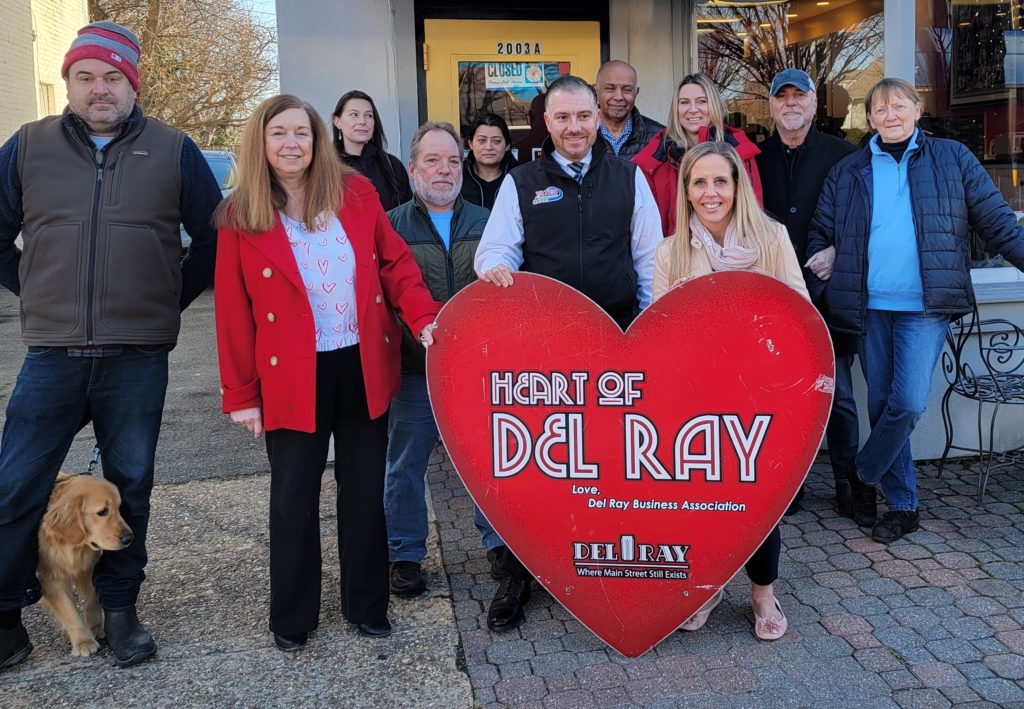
column 222, row 162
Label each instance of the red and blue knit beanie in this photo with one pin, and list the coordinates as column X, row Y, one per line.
column 109, row 42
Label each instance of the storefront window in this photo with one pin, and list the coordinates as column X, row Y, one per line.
column 504, row 88
column 970, row 73
column 742, row 45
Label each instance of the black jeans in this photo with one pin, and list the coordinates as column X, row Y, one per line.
column 297, row 462
column 763, row 567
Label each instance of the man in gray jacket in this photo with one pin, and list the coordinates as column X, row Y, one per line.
column 98, row 195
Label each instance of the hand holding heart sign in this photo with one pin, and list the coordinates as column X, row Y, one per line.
column 633, row 474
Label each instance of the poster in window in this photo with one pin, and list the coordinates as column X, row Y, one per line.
column 978, row 55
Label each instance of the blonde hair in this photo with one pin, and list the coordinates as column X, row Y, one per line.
column 753, row 226
column 888, row 87
column 716, row 111
column 253, row 205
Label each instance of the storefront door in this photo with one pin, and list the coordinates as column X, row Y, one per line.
column 500, row 66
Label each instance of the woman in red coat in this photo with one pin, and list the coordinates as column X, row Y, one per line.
column 696, row 115
column 308, row 273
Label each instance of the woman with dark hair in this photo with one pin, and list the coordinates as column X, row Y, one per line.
column 489, row 160
column 696, row 115
column 310, row 275
column 359, row 139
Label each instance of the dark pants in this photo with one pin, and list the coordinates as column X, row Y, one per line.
column 297, row 462
column 54, row 397
column 763, row 567
column 843, row 430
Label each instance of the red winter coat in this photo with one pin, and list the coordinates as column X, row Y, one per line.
column 265, row 335
column 660, row 164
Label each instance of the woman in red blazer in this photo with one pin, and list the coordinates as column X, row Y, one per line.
column 309, row 276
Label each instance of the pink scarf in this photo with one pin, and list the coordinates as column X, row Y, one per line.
column 732, row 255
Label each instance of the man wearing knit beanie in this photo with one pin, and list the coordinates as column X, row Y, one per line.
column 98, row 195
column 102, row 73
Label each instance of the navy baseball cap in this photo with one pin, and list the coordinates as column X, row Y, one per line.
column 792, row 77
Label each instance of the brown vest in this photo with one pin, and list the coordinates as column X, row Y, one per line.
column 102, row 242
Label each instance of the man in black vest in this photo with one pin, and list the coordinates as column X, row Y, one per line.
column 579, row 214
column 793, row 164
column 98, row 195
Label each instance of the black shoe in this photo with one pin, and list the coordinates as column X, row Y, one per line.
column 130, row 642
column 407, row 579
column 506, row 611
column 496, row 557
column 379, row 629
column 894, row 525
column 844, row 499
column 865, row 505
column 290, row 643
column 14, row 646
column 794, row 506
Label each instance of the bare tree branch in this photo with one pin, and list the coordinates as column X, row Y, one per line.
column 205, row 63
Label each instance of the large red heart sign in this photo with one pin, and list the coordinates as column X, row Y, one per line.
column 633, row 474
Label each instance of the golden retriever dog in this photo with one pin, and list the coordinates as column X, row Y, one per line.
column 82, row 521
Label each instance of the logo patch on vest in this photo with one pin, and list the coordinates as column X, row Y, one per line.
column 548, row 194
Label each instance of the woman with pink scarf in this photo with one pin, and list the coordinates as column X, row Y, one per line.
column 721, row 227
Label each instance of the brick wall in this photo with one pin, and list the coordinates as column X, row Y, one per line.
column 28, row 59
column 56, row 24
column 17, row 73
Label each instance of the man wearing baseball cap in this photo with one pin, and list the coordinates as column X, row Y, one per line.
column 98, row 195
column 793, row 164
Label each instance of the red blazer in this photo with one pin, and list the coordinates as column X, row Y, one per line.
column 265, row 339
column 662, row 172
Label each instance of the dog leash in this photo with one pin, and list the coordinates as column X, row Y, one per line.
column 94, row 462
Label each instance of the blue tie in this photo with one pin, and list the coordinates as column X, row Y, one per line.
column 577, row 169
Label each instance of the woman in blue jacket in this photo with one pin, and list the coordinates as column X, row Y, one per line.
column 893, row 224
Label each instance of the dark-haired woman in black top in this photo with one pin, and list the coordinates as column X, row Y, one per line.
column 360, row 142
column 489, row 160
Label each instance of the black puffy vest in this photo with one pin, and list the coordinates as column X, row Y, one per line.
column 581, row 234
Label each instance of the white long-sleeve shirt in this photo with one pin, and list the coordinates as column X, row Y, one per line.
column 502, row 240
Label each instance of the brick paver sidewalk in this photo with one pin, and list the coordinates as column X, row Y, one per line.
column 933, row 620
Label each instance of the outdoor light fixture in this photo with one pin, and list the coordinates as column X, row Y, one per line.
column 742, row 3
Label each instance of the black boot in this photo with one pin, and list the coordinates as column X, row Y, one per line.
column 844, row 498
column 865, row 503
column 14, row 646
column 128, row 640
column 506, row 611
column 496, row 557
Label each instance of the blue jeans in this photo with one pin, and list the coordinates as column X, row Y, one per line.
column 843, row 430
column 412, row 435
column 54, row 397
column 899, row 353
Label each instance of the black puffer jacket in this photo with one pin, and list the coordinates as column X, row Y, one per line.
column 643, row 130
column 950, row 194
column 474, row 189
column 445, row 272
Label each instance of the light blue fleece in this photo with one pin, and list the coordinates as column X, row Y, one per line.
column 894, row 268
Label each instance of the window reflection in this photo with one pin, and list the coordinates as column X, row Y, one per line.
column 970, row 72
column 840, row 44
